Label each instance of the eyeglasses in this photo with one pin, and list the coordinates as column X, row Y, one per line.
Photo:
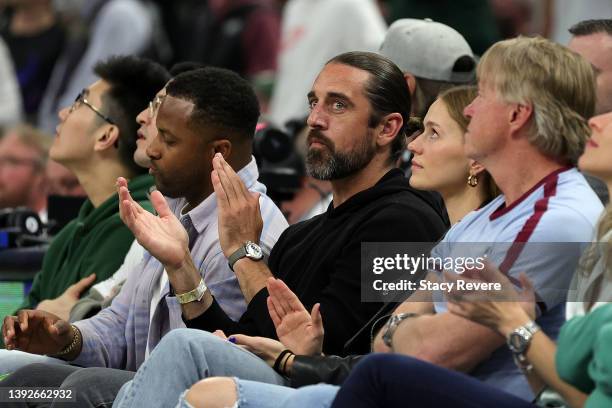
column 155, row 104
column 80, row 99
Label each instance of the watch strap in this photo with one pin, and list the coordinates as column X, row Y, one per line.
column 392, row 325
column 238, row 254
column 193, row 295
column 523, row 364
column 532, row 327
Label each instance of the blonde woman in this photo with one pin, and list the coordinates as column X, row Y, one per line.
column 439, row 161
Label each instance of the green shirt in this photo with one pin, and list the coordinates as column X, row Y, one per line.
column 95, row 242
column 584, row 355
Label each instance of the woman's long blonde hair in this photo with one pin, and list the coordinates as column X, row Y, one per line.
column 601, row 248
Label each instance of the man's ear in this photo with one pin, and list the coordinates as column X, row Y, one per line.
column 388, row 128
column 223, row 146
column 107, row 137
column 520, row 115
column 410, row 82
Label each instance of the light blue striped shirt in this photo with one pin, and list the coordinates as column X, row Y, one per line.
column 118, row 336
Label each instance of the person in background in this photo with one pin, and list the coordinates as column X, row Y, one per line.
column 23, row 157
column 593, row 40
column 105, row 28
column 474, row 19
column 243, row 36
column 35, row 37
column 65, row 195
column 11, row 109
column 432, row 56
column 312, row 32
column 62, row 182
column 561, row 15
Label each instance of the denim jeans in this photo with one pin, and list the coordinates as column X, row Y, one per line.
column 182, row 358
column 13, row 360
column 94, row 387
column 252, row 394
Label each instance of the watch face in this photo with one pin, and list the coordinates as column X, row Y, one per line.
column 253, row 251
column 516, row 342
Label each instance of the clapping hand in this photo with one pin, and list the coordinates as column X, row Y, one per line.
column 500, row 309
column 300, row 331
column 239, row 215
column 162, row 235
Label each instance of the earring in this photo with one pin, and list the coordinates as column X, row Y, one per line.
column 472, row 180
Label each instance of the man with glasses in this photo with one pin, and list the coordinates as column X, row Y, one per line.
column 23, row 155
column 96, row 140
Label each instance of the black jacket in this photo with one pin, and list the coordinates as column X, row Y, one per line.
column 309, row 370
column 320, row 260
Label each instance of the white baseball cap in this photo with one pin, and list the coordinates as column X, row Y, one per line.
column 430, row 50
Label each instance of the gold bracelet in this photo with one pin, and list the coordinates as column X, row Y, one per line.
column 76, row 339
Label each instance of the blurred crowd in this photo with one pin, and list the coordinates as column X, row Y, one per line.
column 49, row 47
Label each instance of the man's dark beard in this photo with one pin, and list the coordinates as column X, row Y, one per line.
column 164, row 188
column 327, row 164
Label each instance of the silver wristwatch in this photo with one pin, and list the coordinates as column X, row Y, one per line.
column 391, row 326
column 249, row 250
column 518, row 341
